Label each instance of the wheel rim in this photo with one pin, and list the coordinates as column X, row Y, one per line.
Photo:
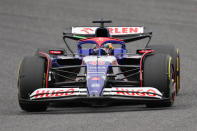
column 172, row 82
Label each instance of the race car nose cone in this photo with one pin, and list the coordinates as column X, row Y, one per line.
column 97, row 68
column 95, row 85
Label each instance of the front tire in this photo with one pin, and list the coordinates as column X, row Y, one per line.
column 31, row 76
column 159, row 73
column 175, row 54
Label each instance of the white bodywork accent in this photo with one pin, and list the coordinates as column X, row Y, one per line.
column 57, row 92
column 99, row 58
column 135, row 57
column 148, row 92
column 112, row 30
column 133, row 91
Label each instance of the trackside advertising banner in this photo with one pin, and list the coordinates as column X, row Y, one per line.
column 112, row 30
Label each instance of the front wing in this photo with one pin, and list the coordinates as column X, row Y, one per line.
column 114, row 93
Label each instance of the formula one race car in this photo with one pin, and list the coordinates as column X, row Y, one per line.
column 102, row 70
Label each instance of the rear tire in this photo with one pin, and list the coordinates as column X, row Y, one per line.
column 31, row 76
column 158, row 73
column 174, row 52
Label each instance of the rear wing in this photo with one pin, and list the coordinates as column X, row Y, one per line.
column 126, row 34
column 112, row 30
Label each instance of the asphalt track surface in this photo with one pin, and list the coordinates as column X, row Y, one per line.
column 29, row 24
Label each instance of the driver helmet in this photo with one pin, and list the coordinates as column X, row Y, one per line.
column 107, row 49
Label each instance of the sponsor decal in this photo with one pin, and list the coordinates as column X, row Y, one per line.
column 124, row 30
column 112, row 30
column 87, row 30
column 137, row 92
column 51, row 92
column 95, row 85
column 95, row 78
column 101, row 60
column 97, row 62
column 55, row 52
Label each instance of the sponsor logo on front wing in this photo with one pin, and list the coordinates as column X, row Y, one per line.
column 51, row 92
column 138, row 92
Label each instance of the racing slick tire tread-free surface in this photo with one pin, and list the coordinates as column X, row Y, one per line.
column 158, row 73
column 31, row 77
column 174, row 52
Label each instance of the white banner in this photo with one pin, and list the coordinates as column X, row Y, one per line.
column 112, row 30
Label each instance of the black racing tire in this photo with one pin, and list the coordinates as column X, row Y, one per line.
column 158, row 73
column 174, row 52
column 31, row 76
